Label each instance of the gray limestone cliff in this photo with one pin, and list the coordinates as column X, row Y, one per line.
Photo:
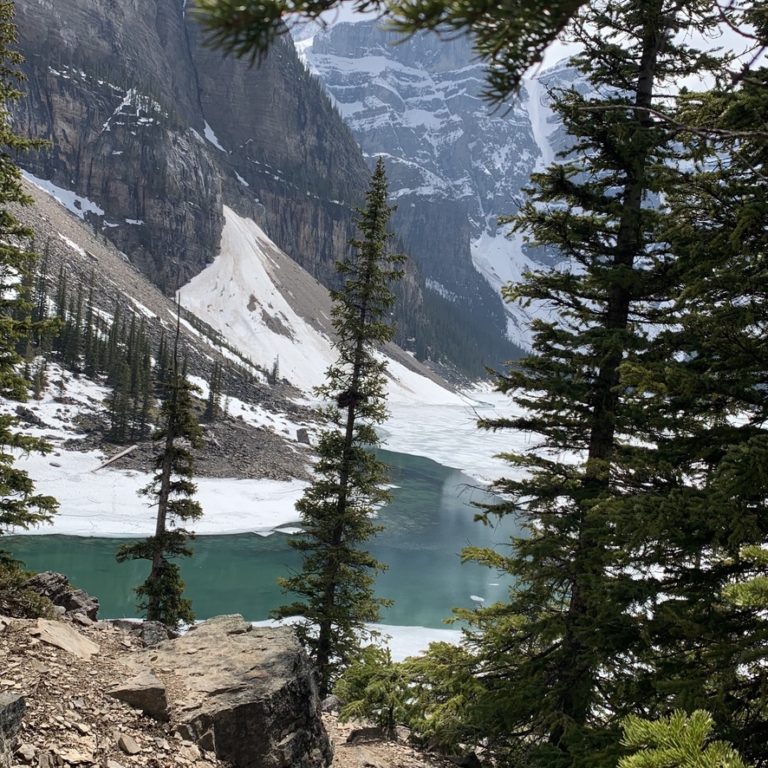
column 154, row 131
column 151, row 133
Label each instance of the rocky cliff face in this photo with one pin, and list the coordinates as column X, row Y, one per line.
column 456, row 163
column 151, row 134
column 154, row 132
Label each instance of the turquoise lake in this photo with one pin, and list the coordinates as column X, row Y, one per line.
column 426, row 525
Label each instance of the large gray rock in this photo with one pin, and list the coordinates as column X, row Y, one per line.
column 146, row 692
column 56, row 587
column 64, row 636
column 151, row 633
column 247, row 694
column 12, row 707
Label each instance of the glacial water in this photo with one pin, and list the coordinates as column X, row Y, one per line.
column 428, row 522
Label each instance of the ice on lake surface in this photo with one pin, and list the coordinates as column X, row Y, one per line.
column 428, row 524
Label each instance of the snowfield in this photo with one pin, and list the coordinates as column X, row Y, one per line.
column 105, row 502
column 250, row 294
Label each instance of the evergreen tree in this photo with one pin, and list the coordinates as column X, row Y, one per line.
column 705, row 403
column 20, row 505
column 213, row 404
column 119, row 405
column 163, row 365
column 677, row 741
column 172, row 488
column 115, row 339
column 572, row 651
column 335, row 586
column 90, row 333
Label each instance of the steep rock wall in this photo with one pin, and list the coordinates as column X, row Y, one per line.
column 159, row 131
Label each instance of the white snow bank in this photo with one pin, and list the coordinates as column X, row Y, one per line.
column 238, row 295
column 106, row 503
column 402, row 641
column 212, row 138
column 66, row 197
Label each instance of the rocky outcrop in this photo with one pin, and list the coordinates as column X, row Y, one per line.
column 150, row 133
column 68, row 599
column 154, row 132
column 12, row 706
column 151, row 633
column 65, row 637
column 247, row 694
column 146, row 692
column 71, row 720
column 456, row 163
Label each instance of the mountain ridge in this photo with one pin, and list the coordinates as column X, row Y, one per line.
column 457, row 162
column 159, row 132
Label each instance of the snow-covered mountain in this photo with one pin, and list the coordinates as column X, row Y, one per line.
column 455, row 163
column 154, row 133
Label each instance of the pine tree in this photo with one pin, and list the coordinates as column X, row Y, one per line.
column 213, row 404
column 706, row 405
column 571, row 651
column 119, row 405
column 677, row 741
column 335, row 586
column 163, row 365
column 161, row 595
column 90, row 337
column 20, row 505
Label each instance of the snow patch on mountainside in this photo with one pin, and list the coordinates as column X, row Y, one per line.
column 212, row 138
column 543, row 120
column 240, row 296
column 501, row 260
column 66, row 197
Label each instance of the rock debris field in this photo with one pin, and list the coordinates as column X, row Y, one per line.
column 69, row 672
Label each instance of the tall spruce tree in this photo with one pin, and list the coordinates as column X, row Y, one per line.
column 20, row 505
column 569, row 654
column 710, row 372
column 335, row 586
column 172, row 489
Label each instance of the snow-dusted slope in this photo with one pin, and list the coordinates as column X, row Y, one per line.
column 275, row 312
column 454, row 161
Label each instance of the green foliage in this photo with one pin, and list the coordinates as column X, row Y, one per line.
column 172, row 489
column 161, row 595
column 374, row 688
column 335, row 586
column 677, row 741
column 641, row 487
column 213, row 404
column 445, row 690
column 129, row 370
column 16, row 599
column 20, row 505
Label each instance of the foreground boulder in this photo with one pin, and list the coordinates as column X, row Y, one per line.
column 151, row 633
column 56, row 587
column 12, row 708
column 64, row 636
column 249, row 695
column 145, row 692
